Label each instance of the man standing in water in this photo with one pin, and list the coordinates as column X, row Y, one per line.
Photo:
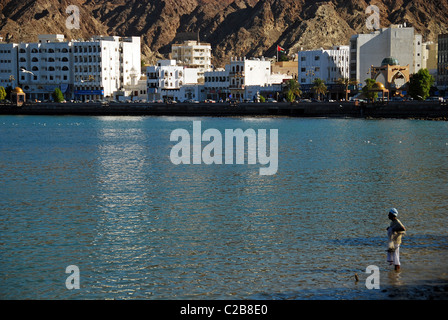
column 395, row 232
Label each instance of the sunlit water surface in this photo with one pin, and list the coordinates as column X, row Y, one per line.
column 101, row 193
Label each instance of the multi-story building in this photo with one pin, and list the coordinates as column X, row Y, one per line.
column 429, row 58
column 398, row 41
column 327, row 65
column 442, row 63
column 84, row 70
column 216, row 84
column 243, row 79
column 169, row 81
column 8, row 65
column 47, row 65
column 103, row 66
column 245, row 72
column 193, row 54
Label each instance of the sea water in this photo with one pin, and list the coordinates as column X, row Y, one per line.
column 101, row 194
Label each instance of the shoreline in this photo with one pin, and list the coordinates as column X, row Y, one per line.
column 401, row 110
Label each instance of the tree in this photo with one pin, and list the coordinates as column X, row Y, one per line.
column 283, row 57
column 346, row 82
column 367, row 90
column 319, row 87
column 8, row 90
column 2, row 93
column 292, row 90
column 420, row 84
column 57, row 95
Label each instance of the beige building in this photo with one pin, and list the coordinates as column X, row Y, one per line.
column 289, row 68
column 193, row 54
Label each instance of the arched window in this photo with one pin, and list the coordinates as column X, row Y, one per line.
column 50, row 50
column 35, row 68
column 22, row 60
column 64, row 59
column 35, row 59
column 64, row 68
column 50, row 59
column 34, row 50
column 64, row 50
column 50, row 68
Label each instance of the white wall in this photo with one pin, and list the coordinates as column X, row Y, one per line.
column 397, row 42
column 8, row 64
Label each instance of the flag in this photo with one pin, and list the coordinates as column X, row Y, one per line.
column 280, row 49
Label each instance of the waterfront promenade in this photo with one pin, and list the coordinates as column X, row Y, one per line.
column 407, row 109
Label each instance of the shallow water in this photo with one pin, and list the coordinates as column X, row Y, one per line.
column 101, row 193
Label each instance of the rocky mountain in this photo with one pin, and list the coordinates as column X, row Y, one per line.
column 233, row 27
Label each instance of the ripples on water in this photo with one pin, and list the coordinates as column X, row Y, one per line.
column 101, row 193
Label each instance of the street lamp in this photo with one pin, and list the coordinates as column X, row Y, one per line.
column 11, row 79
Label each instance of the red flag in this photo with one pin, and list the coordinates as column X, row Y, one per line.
column 280, row 49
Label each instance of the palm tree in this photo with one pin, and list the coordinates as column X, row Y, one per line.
column 346, row 82
column 292, row 90
column 319, row 87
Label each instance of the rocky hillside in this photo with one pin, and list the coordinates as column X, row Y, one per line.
column 233, row 27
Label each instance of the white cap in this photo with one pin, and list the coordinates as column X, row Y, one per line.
column 393, row 211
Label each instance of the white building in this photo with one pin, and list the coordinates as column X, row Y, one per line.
column 327, row 65
column 398, row 41
column 84, row 70
column 249, row 76
column 193, row 54
column 8, row 65
column 103, row 66
column 243, row 79
column 216, row 84
column 49, row 66
column 167, row 80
